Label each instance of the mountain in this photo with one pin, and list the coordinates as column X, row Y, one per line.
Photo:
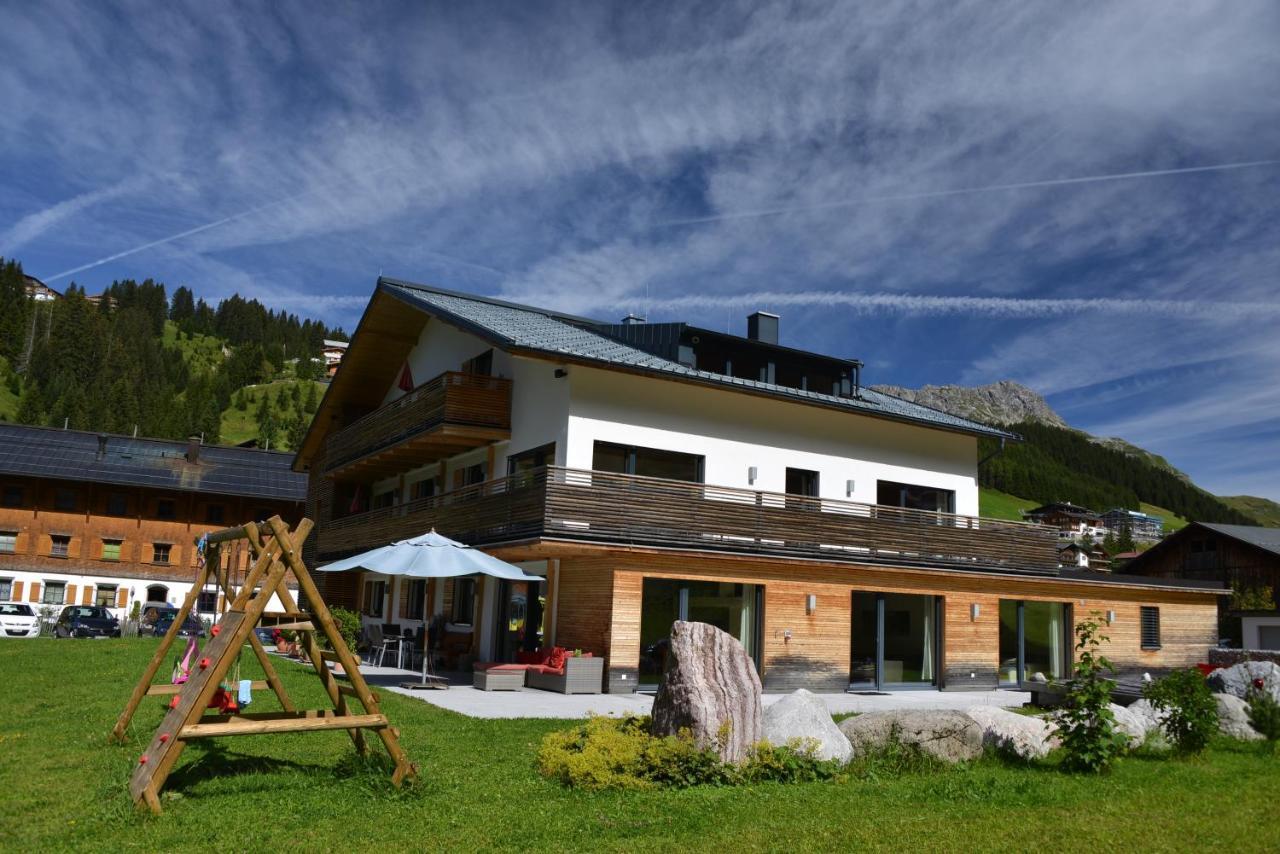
column 1266, row 511
column 1000, row 404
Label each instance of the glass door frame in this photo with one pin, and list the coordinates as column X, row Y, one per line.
column 879, row 684
column 1068, row 635
column 682, row 614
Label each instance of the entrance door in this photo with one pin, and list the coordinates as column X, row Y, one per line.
column 895, row 641
column 1035, row 637
column 519, row 618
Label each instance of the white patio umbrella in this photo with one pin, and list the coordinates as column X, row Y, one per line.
column 429, row 555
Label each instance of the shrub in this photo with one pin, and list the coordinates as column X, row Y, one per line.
column 621, row 753
column 1264, row 712
column 1090, row 741
column 348, row 626
column 1190, row 713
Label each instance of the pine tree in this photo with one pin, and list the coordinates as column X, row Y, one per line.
column 1124, row 542
column 312, row 402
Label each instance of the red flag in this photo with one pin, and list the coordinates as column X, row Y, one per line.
column 406, row 378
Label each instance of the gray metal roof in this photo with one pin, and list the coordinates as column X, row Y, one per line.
column 510, row 325
column 153, row 463
column 1267, row 539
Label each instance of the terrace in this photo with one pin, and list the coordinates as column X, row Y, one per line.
column 573, row 505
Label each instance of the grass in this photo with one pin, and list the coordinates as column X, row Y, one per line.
column 8, row 400
column 240, row 425
column 66, row 789
column 1171, row 522
column 203, row 352
column 994, row 504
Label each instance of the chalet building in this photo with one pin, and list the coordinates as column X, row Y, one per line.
column 39, row 291
column 1242, row 557
column 650, row 472
column 1091, row 557
column 1142, row 526
column 1071, row 520
column 333, row 351
column 112, row 520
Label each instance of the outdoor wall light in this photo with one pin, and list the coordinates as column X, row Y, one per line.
column 848, row 489
column 811, row 604
column 975, row 611
column 1111, row 617
column 561, row 373
column 752, row 471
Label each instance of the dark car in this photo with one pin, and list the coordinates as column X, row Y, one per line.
column 158, row 620
column 86, row 621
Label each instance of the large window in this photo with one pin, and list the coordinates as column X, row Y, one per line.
column 6, row 589
column 375, row 594
column 733, row 608
column 649, row 462
column 59, row 545
column 415, row 593
column 464, row 602
column 895, row 640
column 424, row 488
column 207, row 601
column 533, row 458
column 1150, row 622
column 383, row 499
column 105, row 596
column 481, row 365
column 8, row 542
column 55, row 593
column 1034, row 639
column 913, row 497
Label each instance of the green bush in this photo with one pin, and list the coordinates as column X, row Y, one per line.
column 1264, row 714
column 348, row 626
column 1086, row 725
column 1191, row 714
column 621, row 753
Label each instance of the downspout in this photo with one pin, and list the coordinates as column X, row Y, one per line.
column 991, row 456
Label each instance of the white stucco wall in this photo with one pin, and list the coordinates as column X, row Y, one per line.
column 735, row 431
column 441, row 348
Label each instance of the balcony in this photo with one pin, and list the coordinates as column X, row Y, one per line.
column 559, row 504
column 445, row 416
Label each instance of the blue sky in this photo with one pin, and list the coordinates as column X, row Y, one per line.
column 930, row 188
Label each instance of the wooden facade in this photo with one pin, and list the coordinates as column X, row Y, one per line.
column 599, row 609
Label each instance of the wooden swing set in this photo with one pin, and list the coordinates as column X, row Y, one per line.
column 275, row 550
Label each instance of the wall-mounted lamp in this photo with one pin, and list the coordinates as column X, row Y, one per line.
column 848, row 489
column 561, row 373
column 1111, row 617
column 752, row 471
column 811, row 604
column 975, row 611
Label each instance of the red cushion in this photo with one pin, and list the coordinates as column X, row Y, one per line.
column 557, row 658
column 545, row 669
column 533, row 656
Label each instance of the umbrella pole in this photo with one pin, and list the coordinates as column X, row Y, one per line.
column 429, row 679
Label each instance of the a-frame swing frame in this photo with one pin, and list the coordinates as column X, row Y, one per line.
column 186, row 719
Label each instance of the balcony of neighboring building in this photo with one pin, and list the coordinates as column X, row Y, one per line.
column 554, row 504
column 447, row 415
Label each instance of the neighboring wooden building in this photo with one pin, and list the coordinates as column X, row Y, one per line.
column 39, row 291
column 333, row 351
column 1245, row 558
column 112, row 520
column 654, row 472
column 1071, row 520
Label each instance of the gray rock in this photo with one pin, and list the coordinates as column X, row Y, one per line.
column 1238, row 679
column 1233, row 718
column 1134, row 726
column 802, row 720
column 943, row 734
column 711, row 689
column 1152, row 718
column 1022, row 735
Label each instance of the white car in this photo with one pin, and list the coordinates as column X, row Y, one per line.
column 18, row 620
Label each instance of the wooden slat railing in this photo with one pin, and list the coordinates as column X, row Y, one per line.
column 571, row 504
column 451, row 398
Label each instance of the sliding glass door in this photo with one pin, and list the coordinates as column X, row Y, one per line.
column 733, row 608
column 1034, row 639
column 895, row 640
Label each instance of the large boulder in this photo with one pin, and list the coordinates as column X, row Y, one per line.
column 1238, row 679
column 802, row 720
column 711, row 689
column 1134, row 726
column 1151, row 718
column 1233, row 718
column 1025, row 736
column 941, row 733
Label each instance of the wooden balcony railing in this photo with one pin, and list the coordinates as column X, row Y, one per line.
column 590, row 506
column 453, row 398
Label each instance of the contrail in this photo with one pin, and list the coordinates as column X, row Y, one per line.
column 960, row 191
column 998, row 307
column 33, row 225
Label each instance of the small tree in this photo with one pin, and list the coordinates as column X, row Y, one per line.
column 1190, row 712
column 1124, row 542
column 1086, row 724
column 1264, row 713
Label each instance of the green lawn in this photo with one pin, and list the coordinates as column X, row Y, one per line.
column 8, row 400
column 1171, row 522
column 994, row 504
column 238, row 425
column 66, row 789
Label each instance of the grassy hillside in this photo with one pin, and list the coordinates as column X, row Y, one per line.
column 241, row 424
column 1264, row 510
column 8, row 400
column 202, row 352
column 1172, row 521
column 994, row 504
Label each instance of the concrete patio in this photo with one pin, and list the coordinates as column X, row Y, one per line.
column 460, row 697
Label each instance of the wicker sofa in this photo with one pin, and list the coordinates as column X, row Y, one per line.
column 581, row 674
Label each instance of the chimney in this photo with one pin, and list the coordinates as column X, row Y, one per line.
column 632, row 320
column 102, row 447
column 193, row 449
column 763, row 326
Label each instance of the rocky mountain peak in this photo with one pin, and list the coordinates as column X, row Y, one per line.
column 999, row 404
